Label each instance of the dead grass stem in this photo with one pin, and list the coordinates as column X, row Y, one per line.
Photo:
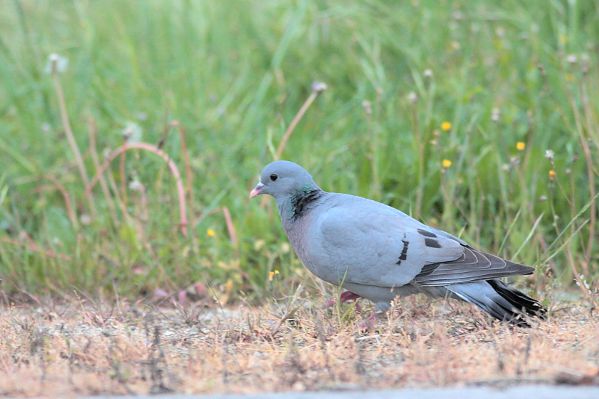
column 138, row 349
column 172, row 167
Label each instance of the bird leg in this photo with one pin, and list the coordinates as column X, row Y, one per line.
column 345, row 296
column 348, row 296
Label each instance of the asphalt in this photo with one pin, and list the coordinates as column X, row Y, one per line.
column 518, row 392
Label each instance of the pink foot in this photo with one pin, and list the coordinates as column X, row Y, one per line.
column 349, row 296
column 346, row 296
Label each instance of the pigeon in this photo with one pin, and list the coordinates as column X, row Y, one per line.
column 377, row 252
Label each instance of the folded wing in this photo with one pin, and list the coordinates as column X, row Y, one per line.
column 372, row 244
column 472, row 266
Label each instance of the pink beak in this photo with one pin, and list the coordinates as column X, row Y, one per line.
column 257, row 190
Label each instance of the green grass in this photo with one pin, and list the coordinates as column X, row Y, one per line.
column 234, row 73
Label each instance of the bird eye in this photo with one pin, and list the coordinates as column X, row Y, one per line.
column 273, row 177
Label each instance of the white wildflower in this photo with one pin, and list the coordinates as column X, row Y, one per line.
column 56, row 64
column 572, row 58
column 85, row 219
column 428, row 73
column 132, row 132
column 549, row 154
column 495, row 114
column 319, row 87
column 136, row 185
column 412, row 97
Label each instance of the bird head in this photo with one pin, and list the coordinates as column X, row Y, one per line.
column 282, row 179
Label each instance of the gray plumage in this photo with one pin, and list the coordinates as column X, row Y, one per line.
column 378, row 252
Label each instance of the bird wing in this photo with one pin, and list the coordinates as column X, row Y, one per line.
column 472, row 266
column 366, row 242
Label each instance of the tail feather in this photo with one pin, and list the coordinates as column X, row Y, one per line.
column 518, row 299
column 499, row 300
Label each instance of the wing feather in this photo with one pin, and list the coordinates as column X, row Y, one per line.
column 365, row 242
column 472, row 266
column 375, row 245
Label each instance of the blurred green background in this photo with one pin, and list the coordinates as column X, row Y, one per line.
column 478, row 117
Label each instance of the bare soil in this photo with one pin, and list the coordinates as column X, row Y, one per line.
column 85, row 348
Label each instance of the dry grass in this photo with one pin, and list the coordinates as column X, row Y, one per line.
column 88, row 348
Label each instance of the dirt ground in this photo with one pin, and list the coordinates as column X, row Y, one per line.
column 85, row 348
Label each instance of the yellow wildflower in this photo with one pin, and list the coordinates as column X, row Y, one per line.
column 446, row 126
column 520, row 145
column 272, row 274
column 210, row 233
column 446, row 164
column 552, row 174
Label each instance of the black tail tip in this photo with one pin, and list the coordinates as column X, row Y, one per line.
column 523, row 306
